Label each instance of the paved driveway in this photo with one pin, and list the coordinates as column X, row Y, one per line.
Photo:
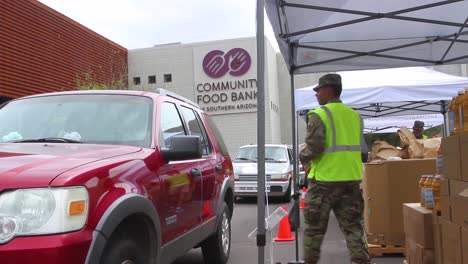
column 244, row 250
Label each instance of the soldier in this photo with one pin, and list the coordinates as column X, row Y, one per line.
column 335, row 148
column 418, row 130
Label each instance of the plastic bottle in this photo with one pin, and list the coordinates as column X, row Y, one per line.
column 458, row 113
column 452, row 116
column 421, row 190
column 428, row 194
column 440, row 161
column 464, row 106
column 436, row 192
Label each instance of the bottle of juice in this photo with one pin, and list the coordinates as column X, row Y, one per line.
column 452, row 116
column 458, row 113
column 465, row 111
column 428, row 194
column 436, row 192
column 440, row 161
column 421, row 190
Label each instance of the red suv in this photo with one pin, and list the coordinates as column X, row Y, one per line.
column 112, row 177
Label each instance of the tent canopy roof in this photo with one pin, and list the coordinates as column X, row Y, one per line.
column 392, row 124
column 320, row 36
column 398, row 91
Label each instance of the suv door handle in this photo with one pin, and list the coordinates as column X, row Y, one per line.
column 219, row 167
column 196, row 172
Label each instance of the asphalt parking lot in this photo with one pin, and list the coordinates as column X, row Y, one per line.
column 244, row 250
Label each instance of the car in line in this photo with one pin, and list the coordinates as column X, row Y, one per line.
column 111, row 177
column 278, row 170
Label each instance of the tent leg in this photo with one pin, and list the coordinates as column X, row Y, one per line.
column 261, row 235
column 295, row 161
column 443, row 111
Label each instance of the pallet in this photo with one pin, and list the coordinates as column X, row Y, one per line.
column 380, row 250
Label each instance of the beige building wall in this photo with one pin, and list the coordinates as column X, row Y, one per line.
column 184, row 62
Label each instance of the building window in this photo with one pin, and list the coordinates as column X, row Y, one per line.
column 136, row 80
column 152, row 79
column 167, row 78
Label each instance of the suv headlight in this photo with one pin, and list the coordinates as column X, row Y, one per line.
column 42, row 211
column 282, row 176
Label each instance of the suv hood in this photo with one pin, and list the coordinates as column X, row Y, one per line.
column 250, row 168
column 24, row 165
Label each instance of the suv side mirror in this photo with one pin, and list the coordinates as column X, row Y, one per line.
column 183, row 148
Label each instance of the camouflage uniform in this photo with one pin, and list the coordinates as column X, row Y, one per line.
column 344, row 198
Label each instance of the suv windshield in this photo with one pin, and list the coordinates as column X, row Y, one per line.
column 272, row 154
column 100, row 119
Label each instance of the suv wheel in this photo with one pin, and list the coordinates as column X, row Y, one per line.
column 123, row 250
column 216, row 248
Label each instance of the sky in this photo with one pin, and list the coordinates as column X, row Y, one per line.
column 144, row 23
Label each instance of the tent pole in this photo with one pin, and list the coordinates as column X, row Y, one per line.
column 261, row 234
column 295, row 158
column 443, row 111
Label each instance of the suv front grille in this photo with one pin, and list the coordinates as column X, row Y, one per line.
column 249, row 177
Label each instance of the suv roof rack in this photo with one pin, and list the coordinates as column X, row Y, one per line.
column 165, row 92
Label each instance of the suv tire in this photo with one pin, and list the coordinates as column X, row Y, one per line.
column 217, row 247
column 123, row 250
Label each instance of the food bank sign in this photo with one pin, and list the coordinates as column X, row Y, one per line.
column 225, row 81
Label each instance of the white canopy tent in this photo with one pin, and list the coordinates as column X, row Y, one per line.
column 391, row 124
column 319, row 36
column 340, row 35
column 405, row 94
column 383, row 92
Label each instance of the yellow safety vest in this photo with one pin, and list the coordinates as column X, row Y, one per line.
column 341, row 160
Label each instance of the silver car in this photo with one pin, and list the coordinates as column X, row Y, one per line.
column 278, row 168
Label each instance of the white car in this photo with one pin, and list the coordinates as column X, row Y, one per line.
column 278, row 170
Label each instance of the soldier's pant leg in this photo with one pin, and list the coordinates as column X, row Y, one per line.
column 316, row 215
column 349, row 213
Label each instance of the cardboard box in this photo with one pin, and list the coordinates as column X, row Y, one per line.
column 418, row 225
column 387, row 185
column 451, row 243
column 444, row 187
column 459, row 203
column 436, row 228
column 464, row 156
column 416, row 254
column 457, row 187
column 445, row 207
column 459, row 210
column 452, row 157
column 465, row 245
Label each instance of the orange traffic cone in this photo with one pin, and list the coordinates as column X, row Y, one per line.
column 302, row 205
column 284, row 231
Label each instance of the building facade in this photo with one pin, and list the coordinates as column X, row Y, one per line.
column 42, row 51
column 221, row 77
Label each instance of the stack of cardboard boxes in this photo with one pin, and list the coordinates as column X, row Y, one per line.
column 442, row 238
column 387, row 186
column 419, row 233
column 453, row 222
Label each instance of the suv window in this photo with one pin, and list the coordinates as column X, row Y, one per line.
column 171, row 124
column 196, row 128
column 272, row 154
column 91, row 118
column 217, row 135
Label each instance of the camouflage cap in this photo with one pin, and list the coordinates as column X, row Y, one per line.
column 331, row 79
column 418, row 124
